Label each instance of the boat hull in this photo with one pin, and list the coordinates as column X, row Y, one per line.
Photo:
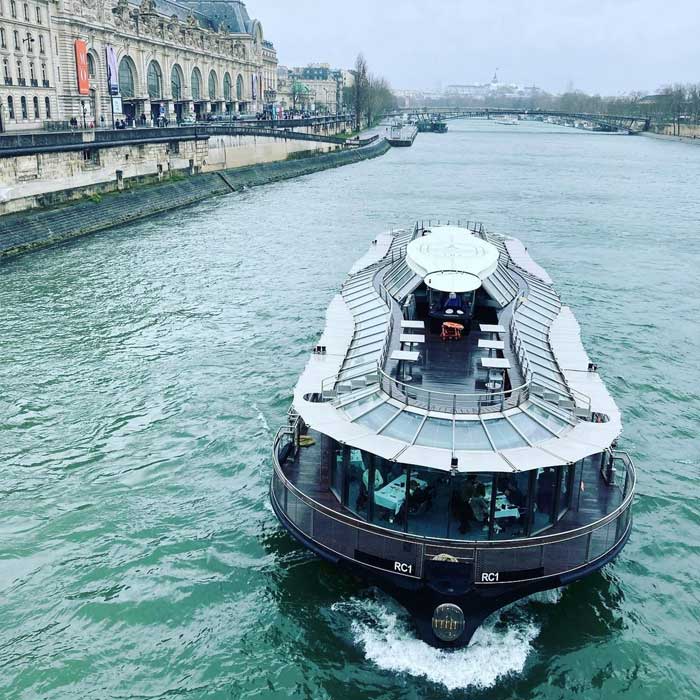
column 447, row 583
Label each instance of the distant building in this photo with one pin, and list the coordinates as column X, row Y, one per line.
column 315, row 87
column 92, row 60
column 494, row 88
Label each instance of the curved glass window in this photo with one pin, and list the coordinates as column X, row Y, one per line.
column 212, row 85
column 91, row 65
column 461, row 506
column 227, row 87
column 126, row 78
column 176, row 82
column 436, row 432
column 404, row 426
column 155, row 81
column 470, row 435
column 196, row 85
column 503, row 434
column 239, row 87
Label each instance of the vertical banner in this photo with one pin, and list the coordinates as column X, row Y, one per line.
column 112, row 71
column 81, row 67
column 255, row 87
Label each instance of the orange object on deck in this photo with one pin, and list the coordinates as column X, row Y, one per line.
column 451, row 331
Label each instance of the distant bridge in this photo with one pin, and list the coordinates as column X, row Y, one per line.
column 632, row 124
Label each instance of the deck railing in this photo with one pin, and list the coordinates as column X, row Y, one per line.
column 555, row 554
column 449, row 402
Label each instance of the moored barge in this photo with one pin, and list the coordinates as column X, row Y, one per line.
column 450, row 440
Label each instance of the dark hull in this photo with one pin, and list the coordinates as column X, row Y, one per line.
column 447, row 583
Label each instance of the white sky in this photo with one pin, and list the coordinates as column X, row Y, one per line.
column 606, row 46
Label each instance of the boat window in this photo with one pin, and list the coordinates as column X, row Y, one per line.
column 503, row 434
column 362, row 406
column 549, row 419
column 366, row 350
column 427, row 510
column 530, row 428
column 360, row 307
column 378, row 416
column 436, row 432
column 470, row 506
column 404, row 426
column 371, row 323
column 565, row 489
column 470, row 435
column 358, row 474
column 545, row 485
column 389, row 496
column 510, row 513
column 338, row 472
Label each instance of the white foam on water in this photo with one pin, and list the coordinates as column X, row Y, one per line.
column 383, row 629
column 549, row 597
column 261, row 417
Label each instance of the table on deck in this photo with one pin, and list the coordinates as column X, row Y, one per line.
column 416, row 325
column 504, row 508
column 393, row 494
column 403, row 356
column 495, row 362
column 411, row 338
column 494, row 329
column 491, row 345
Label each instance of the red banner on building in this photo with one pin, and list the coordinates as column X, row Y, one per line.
column 81, row 67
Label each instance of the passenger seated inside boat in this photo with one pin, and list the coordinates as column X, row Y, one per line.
column 453, row 305
column 450, row 305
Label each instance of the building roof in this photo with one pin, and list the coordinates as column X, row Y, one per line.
column 232, row 14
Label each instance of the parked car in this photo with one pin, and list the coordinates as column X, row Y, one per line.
column 188, row 120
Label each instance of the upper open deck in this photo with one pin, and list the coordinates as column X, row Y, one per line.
column 452, row 332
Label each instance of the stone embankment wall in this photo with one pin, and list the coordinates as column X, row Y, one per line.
column 50, row 177
column 22, row 232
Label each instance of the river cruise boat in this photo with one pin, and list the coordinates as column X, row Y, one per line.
column 450, row 440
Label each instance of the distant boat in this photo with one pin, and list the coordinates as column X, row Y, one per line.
column 506, row 121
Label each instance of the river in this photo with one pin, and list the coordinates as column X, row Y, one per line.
column 145, row 370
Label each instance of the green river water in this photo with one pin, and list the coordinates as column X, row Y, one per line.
column 143, row 374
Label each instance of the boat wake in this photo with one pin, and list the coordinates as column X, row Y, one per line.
column 498, row 649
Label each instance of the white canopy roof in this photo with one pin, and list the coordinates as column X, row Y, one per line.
column 451, row 259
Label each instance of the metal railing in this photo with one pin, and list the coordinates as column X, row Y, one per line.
column 449, row 402
column 558, row 553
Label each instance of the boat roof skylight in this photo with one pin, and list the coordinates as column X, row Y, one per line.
column 451, row 259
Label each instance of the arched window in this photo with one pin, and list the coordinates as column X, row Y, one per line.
column 155, row 81
column 13, row 8
column 126, row 78
column 35, row 101
column 227, row 87
column 212, row 85
column 26, row 12
column 23, row 102
column 176, row 82
column 239, row 88
column 91, row 66
column 47, row 104
column 11, row 108
column 196, row 85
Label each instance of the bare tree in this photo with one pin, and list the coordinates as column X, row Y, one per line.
column 360, row 89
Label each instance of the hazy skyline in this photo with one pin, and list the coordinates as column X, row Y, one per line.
column 606, row 47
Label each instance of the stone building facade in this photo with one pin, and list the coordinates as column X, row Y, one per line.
column 27, row 83
column 169, row 60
